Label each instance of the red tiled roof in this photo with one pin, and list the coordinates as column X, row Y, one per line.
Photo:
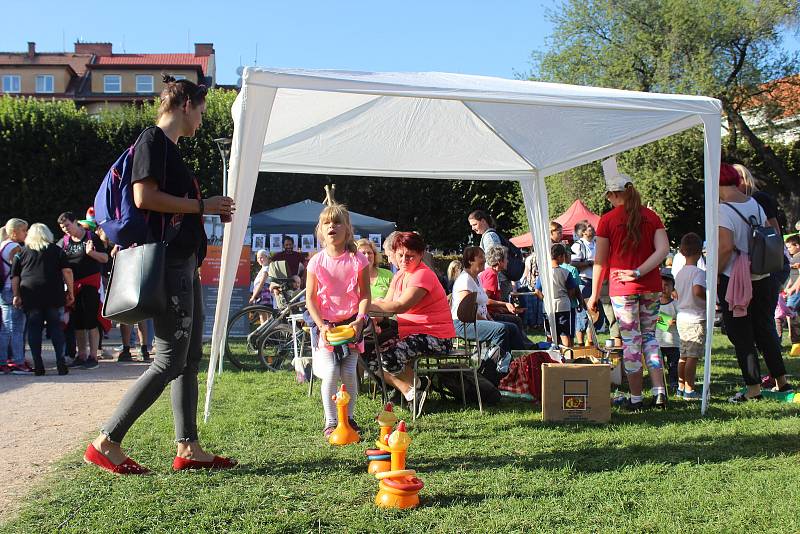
column 76, row 61
column 785, row 92
column 154, row 59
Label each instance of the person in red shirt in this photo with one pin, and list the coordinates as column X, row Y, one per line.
column 631, row 243
column 423, row 319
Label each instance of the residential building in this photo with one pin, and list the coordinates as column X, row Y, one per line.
column 775, row 113
column 96, row 78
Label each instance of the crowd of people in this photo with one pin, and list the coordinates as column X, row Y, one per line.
column 617, row 275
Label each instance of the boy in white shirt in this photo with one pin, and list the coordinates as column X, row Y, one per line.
column 690, row 283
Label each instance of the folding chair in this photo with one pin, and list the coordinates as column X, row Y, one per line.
column 459, row 360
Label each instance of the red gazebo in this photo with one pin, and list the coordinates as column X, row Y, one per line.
column 574, row 214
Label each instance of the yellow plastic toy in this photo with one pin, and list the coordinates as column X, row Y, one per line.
column 379, row 457
column 399, row 488
column 339, row 335
column 344, row 433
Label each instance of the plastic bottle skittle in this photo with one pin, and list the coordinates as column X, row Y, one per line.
column 344, row 433
column 379, row 458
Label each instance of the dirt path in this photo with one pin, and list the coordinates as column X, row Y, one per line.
column 46, row 417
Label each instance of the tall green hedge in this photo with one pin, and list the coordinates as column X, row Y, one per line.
column 53, row 156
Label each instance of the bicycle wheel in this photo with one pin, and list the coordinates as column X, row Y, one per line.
column 277, row 349
column 240, row 346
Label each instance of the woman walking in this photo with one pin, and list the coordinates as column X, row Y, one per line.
column 39, row 274
column 163, row 184
column 630, row 245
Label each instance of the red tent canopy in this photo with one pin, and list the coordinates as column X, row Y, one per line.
column 576, row 213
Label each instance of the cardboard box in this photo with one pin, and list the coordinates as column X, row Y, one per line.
column 576, row 392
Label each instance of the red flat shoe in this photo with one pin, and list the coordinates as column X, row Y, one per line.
column 219, row 462
column 128, row 467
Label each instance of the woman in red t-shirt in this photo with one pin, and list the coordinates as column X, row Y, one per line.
column 423, row 319
column 631, row 243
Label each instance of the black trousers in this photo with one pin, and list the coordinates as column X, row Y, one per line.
column 754, row 332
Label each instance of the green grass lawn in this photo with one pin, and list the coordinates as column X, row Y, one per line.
column 736, row 470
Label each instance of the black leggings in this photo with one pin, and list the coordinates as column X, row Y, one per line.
column 754, row 332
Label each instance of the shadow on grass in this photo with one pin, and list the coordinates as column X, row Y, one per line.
column 594, row 459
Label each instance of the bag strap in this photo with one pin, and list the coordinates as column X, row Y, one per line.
column 748, row 221
column 163, row 184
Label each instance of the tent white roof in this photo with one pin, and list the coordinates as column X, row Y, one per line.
column 439, row 125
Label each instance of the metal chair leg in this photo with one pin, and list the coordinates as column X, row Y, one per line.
column 477, row 389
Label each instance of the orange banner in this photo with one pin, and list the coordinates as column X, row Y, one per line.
column 209, row 272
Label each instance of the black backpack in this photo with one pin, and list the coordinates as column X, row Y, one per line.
column 765, row 244
column 449, row 386
column 516, row 263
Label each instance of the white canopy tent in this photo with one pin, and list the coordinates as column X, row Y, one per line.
column 453, row 126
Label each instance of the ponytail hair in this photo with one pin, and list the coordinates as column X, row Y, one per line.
column 176, row 93
column 633, row 210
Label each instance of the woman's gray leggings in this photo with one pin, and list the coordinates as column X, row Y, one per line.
column 178, row 349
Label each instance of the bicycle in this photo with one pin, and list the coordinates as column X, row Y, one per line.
column 258, row 337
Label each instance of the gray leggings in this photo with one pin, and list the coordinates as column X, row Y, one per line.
column 178, row 349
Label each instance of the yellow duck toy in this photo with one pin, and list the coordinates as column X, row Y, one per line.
column 344, row 433
column 399, row 487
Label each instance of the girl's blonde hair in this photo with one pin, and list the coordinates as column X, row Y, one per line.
column 454, row 269
column 11, row 225
column 39, row 236
column 746, row 179
column 337, row 213
column 364, row 242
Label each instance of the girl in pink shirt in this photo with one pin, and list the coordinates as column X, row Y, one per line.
column 337, row 293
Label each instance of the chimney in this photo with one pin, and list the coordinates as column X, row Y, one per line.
column 203, row 49
column 98, row 49
column 31, row 49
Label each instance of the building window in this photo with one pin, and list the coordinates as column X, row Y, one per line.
column 11, row 83
column 44, row 83
column 112, row 83
column 144, row 83
column 179, row 77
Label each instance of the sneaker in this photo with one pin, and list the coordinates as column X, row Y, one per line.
column 679, row 393
column 145, row 354
column 795, row 350
column 422, row 393
column 693, row 395
column 63, row 370
column 125, row 355
column 23, row 369
column 329, row 430
column 76, row 362
column 741, row 398
column 632, row 406
column 90, row 363
column 660, row 401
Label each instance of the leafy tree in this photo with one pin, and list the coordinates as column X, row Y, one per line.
column 727, row 49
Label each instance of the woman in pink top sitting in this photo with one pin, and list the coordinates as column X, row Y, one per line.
column 337, row 293
column 423, row 319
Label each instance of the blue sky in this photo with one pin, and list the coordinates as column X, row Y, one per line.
column 467, row 36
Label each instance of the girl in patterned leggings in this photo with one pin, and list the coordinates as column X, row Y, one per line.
column 631, row 244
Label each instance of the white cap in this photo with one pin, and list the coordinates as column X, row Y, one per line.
column 615, row 180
